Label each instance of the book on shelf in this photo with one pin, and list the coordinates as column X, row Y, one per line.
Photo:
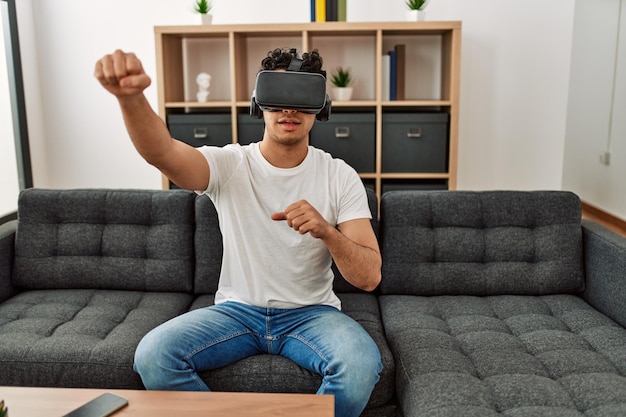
column 331, row 10
column 385, row 77
column 392, row 74
column 313, row 14
column 320, row 10
column 342, row 10
column 395, row 81
column 400, row 71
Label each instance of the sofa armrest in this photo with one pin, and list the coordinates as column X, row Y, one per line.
column 605, row 270
column 7, row 251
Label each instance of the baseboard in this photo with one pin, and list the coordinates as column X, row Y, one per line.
column 607, row 219
column 8, row 217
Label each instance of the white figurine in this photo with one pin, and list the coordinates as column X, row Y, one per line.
column 204, row 82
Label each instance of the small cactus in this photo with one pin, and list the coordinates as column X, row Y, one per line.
column 4, row 412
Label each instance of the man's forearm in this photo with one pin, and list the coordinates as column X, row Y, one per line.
column 146, row 129
column 359, row 265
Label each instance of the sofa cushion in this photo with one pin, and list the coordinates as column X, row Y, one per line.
column 208, row 247
column 79, row 338
column 481, row 243
column 279, row 374
column 505, row 355
column 111, row 239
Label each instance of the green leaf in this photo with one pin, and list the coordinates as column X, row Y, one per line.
column 4, row 412
column 416, row 4
column 202, row 7
column 341, row 77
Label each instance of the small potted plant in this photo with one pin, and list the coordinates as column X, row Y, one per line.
column 203, row 7
column 341, row 79
column 416, row 9
column 4, row 412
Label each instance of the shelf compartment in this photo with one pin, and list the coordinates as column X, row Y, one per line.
column 415, row 142
column 421, row 66
column 208, row 55
column 250, row 48
column 349, row 50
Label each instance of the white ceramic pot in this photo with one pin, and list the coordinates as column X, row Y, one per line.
column 415, row 15
column 342, row 93
column 207, row 18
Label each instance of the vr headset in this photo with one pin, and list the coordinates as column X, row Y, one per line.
column 301, row 91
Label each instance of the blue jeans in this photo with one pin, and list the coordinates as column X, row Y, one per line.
column 319, row 338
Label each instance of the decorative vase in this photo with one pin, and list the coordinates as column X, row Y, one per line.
column 342, row 93
column 206, row 18
column 416, row 15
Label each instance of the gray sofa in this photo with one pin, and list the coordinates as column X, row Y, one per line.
column 492, row 303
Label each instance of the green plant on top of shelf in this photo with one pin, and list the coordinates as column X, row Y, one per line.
column 341, row 77
column 202, row 7
column 416, row 4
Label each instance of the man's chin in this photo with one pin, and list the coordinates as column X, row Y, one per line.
column 290, row 139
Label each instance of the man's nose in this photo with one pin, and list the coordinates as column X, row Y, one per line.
column 289, row 111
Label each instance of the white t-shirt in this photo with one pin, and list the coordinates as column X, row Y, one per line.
column 266, row 263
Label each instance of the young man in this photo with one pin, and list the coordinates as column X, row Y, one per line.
column 286, row 210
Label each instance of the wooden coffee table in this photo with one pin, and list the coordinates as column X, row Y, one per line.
column 48, row 402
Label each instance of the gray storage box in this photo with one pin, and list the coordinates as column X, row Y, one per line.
column 415, row 142
column 249, row 129
column 201, row 129
column 348, row 136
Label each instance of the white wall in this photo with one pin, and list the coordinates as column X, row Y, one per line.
column 515, row 72
column 597, row 105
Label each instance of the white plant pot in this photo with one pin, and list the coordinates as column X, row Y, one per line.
column 342, row 93
column 415, row 15
column 206, row 19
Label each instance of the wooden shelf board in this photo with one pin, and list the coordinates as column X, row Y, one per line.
column 196, row 104
column 313, row 28
column 416, row 103
column 414, row 175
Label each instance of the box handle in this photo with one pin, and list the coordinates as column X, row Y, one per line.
column 200, row 133
column 414, row 132
column 342, row 132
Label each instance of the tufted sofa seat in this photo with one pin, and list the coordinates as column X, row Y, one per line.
column 483, row 305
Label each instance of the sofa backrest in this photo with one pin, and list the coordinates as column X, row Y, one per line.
column 208, row 247
column 109, row 239
column 481, row 243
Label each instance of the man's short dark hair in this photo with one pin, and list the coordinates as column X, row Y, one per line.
column 281, row 58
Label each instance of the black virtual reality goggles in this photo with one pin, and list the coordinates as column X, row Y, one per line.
column 301, row 91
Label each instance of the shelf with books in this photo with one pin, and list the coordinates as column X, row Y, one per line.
column 431, row 68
